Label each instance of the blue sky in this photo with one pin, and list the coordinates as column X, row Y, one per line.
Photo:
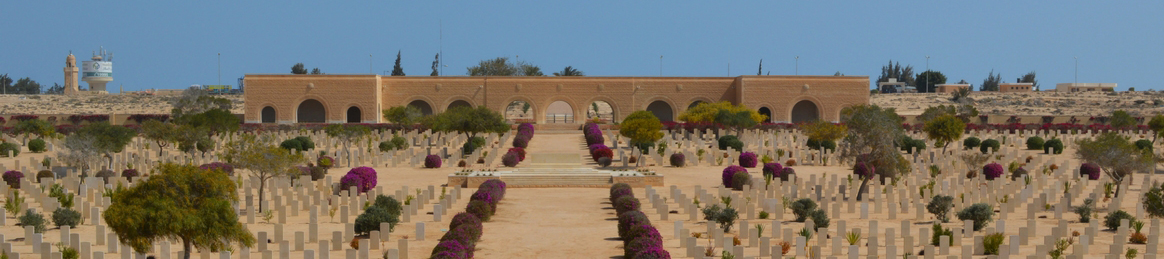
column 173, row 44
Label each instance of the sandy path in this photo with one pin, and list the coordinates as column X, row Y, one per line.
column 551, row 223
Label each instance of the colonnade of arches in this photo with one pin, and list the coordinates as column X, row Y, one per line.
column 314, row 111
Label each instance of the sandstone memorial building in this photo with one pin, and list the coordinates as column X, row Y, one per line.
column 287, row 98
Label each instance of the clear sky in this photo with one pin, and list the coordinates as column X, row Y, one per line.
column 174, row 44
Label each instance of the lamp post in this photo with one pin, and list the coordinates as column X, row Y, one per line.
column 219, row 68
column 660, row 65
column 797, row 65
column 1076, row 70
column 927, row 72
column 370, row 64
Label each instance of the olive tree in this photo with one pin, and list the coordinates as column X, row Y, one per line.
column 262, row 159
column 873, row 137
column 945, row 129
column 1115, row 155
column 179, row 202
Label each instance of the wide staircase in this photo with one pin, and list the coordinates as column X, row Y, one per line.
column 555, row 161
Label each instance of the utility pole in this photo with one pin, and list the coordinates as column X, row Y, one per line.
column 220, row 68
column 1077, row 70
column 370, row 64
column 927, row 72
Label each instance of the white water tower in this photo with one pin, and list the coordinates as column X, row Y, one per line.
column 98, row 71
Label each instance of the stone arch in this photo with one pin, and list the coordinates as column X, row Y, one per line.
column 515, row 109
column 559, row 112
column 311, row 111
column 424, row 106
column 544, row 112
column 767, row 112
column 267, row 115
column 355, row 115
column 607, row 111
column 698, row 100
column 459, row 103
column 662, row 109
column 804, row 111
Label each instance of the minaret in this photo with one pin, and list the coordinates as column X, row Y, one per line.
column 71, row 69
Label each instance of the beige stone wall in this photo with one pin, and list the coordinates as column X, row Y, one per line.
column 624, row 94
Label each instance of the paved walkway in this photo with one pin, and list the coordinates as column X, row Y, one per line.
column 552, row 223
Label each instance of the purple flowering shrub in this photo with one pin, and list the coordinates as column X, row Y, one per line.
column 992, row 170
column 520, row 153
column 637, row 245
column 12, row 177
column 454, row 247
column 224, row 167
column 130, row 173
column 432, row 161
column 520, row 141
column 363, row 178
column 748, row 159
column 628, row 219
column 864, row 170
column 773, row 170
column 655, row 252
column 642, row 231
column 464, row 218
column 480, row 209
column 786, row 173
column 678, row 160
column 509, row 159
column 626, row 203
column 1091, row 170
column 601, row 153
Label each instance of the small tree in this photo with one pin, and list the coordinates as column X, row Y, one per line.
column 823, row 130
column 1115, row 155
column 349, row 134
column 569, row 71
column 1121, row 119
column 263, row 160
column 179, row 202
column 945, row 130
column 160, row 132
column 940, row 206
column 215, row 120
column 298, row 69
column 104, row 139
column 874, row 135
column 396, row 69
column 1157, row 126
column 927, row 81
column 641, row 127
column 473, row 121
column 991, row 82
column 36, row 127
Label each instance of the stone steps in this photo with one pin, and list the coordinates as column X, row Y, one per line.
column 556, row 180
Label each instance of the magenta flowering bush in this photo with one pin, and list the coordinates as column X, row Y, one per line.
column 12, row 177
column 363, row 178
column 432, row 161
column 1091, row 170
column 464, row 218
column 628, row 219
column 465, row 235
column 678, row 160
column 642, row 231
column 486, row 197
column 130, row 173
column 520, row 153
column 773, row 170
column 528, row 128
column 602, row 152
column 992, row 170
column 224, row 167
column 731, row 171
column 864, row 170
column 786, row 173
column 654, row 252
column 626, row 203
column 595, row 147
column 449, row 249
column 748, row 159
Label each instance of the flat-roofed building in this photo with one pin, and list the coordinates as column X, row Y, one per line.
column 1085, row 87
column 950, row 88
column 1015, row 87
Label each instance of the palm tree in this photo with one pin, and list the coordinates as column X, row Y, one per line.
column 569, row 71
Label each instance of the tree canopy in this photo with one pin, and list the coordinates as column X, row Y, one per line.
column 709, row 113
column 1121, row 119
column 928, row 80
column 406, row 115
column 298, row 69
column 472, row 121
column 1115, row 155
column 161, row 133
column 569, row 71
column 1157, row 126
column 945, row 129
column 108, row 138
column 895, row 70
column 178, row 202
column 874, row 136
column 194, row 101
column 214, row 120
column 501, row 66
column 991, row 82
column 1029, row 78
column 262, row 159
column 396, row 69
column 641, row 127
column 36, row 127
column 823, row 130
column 963, row 112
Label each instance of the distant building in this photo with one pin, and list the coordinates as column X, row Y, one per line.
column 1015, row 87
column 950, row 88
column 1085, row 87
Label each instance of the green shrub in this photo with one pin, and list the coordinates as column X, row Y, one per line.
column 372, row 217
column 726, row 217
column 731, row 141
column 989, row 145
column 803, row 208
column 31, row 218
column 1053, row 146
column 741, row 179
column 44, row 174
column 764, row 215
column 980, row 213
column 5, row 147
column 65, row 216
column 971, row 142
column 291, row 144
column 468, row 148
column 1112, row 220
column 399, row 142
column 1035, row 143
column 1140, row 144
column 391, row 205
column 36, row 145
column 939, row 232
column 820, row 218
column 1085, row 211
column 305, row 142
column 480, row 209
column 992, row 241
column 940, row 206
column 1154, row 201
column 817, row 144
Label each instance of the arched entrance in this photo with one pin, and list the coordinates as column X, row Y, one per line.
column 423, row 106
column 662, row 110
column 268, row 114
column 519, row 111
column 459, row 103
column 311, row 111
column 766, row 112
column 600, row 110
column 805, row 111
column 559, row 112
column 354, row 114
